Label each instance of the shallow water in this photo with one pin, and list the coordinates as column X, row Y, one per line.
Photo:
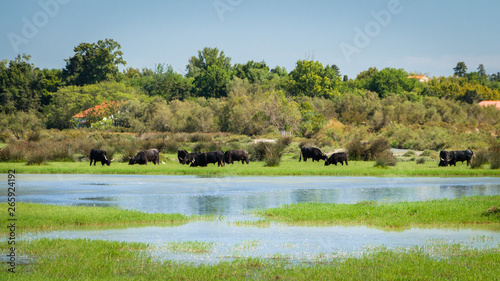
column 233, row 197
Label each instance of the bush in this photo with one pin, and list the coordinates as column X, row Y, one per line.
column 495, row 156
column 357, row 150
column 479, row 159
column 420, row 160
column 385, row 159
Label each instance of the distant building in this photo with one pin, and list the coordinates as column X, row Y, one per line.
column 486, row 103
column 100, row 111
column 420, row 78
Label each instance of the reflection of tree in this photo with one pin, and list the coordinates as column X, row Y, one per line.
column 209, row 204
column 465, row 190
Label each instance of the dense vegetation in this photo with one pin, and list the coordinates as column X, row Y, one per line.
column 311, row 101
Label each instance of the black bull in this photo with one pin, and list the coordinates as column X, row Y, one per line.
column 99, row 155
column 236, row 155
column 339, row 157
column 145, row 156
column 203, row 159
column 452, row 157
column 311, row 152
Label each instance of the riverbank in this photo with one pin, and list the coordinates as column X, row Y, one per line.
column 287, row 167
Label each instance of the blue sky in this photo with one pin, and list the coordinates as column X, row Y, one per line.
column 421, row 36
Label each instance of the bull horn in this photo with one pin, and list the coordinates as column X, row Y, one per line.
column 112, row 160
column 106, row 157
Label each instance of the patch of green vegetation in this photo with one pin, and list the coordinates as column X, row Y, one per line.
column 190, row 246
column 48, row 217
column 465, row 211
column 288, row 167
column 81, row 259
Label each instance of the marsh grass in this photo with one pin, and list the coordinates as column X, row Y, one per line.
column 190, row 246
column 461, row 212
column 43, row 217
column 288, row 167
column 83, row 259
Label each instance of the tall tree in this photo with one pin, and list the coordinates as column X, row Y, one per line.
column 391, row 80
column 21, row 85
column 460, row 69
column 211, row 73
column 310, row 78
column 94, row 63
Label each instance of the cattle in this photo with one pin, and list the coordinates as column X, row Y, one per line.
column 203, row 159
column 190, row 158
column 339, row 157
column 99, row 155
column 145, row 156
column 181, row 155
column 236, row 155
column 312, row 152
column 451, row 157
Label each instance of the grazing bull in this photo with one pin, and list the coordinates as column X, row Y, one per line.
column 339, row 157
column 236, row 155
column 181, row 155
column 203, row 159
column 451, row 157
column 145, row 156
column 312, row 152
column 99, row 155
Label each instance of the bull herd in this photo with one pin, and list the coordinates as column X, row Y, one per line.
column 202, row 159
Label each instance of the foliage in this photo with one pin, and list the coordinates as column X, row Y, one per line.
column 392, row 81
column 310, row 78
column 211, row 73
column 94, row 63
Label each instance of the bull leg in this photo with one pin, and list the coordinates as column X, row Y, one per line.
column 346, row 163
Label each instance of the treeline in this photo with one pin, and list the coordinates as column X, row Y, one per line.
column 312, row 100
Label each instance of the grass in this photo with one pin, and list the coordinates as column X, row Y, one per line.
column 190, row 246
column 41, row 217
column 289, row 166
column 465, row 211
column 82, row 259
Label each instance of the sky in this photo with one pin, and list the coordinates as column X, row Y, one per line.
column 422, row 36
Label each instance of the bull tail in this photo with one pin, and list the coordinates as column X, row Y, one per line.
column 300, row 158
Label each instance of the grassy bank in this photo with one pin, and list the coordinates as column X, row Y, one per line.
column 461, row 212
column 36, row 217
column 288, row 166
column 58, row 259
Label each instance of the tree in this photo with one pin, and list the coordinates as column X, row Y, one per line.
column 460, row 69
column 310, row 78
column 162, row 81
column 211, row 73
column 94, row 63
column 253, row 71
column 391, row 80
column 21, row 85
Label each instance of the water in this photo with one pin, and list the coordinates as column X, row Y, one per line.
column 233, row 197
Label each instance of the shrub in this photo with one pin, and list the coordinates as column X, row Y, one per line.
column 385, row 159
column 495, row 156
column 409, row 153
column 480, row 158
column 357, row 150
column 420, row 160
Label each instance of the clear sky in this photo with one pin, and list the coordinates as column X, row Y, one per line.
column 424, row 36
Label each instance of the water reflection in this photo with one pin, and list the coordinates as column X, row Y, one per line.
column 235, row 195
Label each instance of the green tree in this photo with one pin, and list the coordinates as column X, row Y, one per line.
column 94, row 63
column 21, row 85
column 162, row 81
column 210, row 72
column 391, row 80
column 460, row 70
column 253, row 71
column 310, row 78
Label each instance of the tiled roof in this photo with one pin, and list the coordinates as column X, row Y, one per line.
column 490, row 102
column 100, row 110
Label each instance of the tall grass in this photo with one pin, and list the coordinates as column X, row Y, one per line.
column 83, row 259
column 433, row 213
column 46, row 217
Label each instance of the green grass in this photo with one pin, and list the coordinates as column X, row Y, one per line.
column 465, row 211
column 190, row 246
column 288, row 167
column 43, row 217
column 104, row 260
